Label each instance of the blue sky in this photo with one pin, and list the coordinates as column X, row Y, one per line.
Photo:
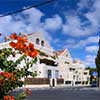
column 72, row 24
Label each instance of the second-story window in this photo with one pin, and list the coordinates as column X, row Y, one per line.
column 42, row 43
column 85, row 73
column 37, row 41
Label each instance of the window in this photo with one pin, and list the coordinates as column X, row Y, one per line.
column 49, row 74
column 66, row 62
column 85, row 73
column 67, row 82
column 60, row 76
column 35, row 71
column 73, row 77
column 77, row 77
column 72, row 69
column 76, row 72
column 78, row 82
column 88, row 78
column 66, row 55
column 57, row 74
column 42, row 43
column 37, row 41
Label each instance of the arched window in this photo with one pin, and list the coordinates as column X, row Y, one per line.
column 37, row 41
column 42, row 43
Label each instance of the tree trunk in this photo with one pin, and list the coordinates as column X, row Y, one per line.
column 99, row 82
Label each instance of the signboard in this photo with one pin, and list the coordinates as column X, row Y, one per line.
column 94, row 73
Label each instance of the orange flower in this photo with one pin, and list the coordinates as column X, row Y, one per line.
column 31, row 46
column 21, row 45
column 13, row 36
column 26, row 52
column 12, row 44
column 7, row 97
column 1, row 73
column 25, row 47
column 13, row 78
column 7, row 74
column 22, row 39
column 34, row 53
column 18, row 45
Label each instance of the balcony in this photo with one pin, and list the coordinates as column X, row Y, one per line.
column 48, row 62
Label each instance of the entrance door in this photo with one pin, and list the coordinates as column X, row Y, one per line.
column 53, row 82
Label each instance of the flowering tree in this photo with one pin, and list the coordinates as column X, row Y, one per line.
column 11, row 75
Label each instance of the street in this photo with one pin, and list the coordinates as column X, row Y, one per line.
column 68, row 93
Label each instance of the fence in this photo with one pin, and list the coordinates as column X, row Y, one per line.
column 41, row 81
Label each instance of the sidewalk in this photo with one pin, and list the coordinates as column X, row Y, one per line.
column 35, row 87
column 38, row 87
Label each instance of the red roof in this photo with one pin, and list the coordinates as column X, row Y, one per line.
column 60, row 52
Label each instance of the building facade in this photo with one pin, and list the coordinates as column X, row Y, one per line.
column 53, row 67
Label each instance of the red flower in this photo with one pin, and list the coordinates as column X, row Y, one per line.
column 1, row 73
column 31, row 46
column 34, row 53
column 13, row 36
column 12, row 44
column 7, row 74
column 21, row 45
column 18, row 45
column 22, row 39
column 7, row 97
column 25, row 48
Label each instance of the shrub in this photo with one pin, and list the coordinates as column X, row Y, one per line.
column 11, row 75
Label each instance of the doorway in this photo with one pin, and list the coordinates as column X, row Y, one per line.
column 53, row 82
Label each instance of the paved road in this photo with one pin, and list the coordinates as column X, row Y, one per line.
column 65, row 94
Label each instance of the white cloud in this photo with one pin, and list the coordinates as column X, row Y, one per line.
column 85, row 4
column 92, row 39
column 90, row 60
column 28, row 21
column 73, row 43
column 57, row 40
column 17, row 23
column 54, row 23
column 74, row 25
column 70, row 43
column 89, row 40
column 92, row 49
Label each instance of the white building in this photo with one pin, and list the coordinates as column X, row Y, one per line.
column 72, row 71
column 54, row 67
